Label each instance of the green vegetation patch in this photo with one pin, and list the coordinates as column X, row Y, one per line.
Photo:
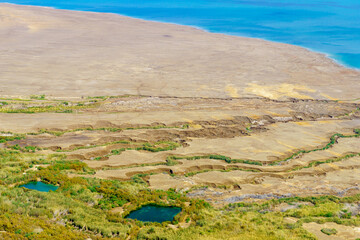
column 38, row 97
column 8, row 137
column 90, row 207
column 329, row 231
column 39, row 104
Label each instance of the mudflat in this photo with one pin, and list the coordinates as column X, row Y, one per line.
column 70, row 54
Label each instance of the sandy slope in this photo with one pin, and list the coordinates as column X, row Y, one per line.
column 69, row 53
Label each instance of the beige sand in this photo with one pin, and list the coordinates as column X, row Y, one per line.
column 69, row 53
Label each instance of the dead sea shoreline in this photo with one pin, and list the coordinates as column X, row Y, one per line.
column 158, row 57
column 327, row 55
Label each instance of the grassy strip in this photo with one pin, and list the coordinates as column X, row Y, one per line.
column 26, row 148
column 40, row 105
column 8, row 136
column 189, row 174
column 333, row 140
column 145, row 147
column 312, row 164
column 140, row 146
column 135, row 166
column 96, row 145
column 51, row 105
column 331, row 160
column 112, row 129
column 49, row 108
column 38, row 97
column 111, row 97
column 217, row 157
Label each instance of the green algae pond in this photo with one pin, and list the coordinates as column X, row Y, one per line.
column 154, row 213
column 40, row 186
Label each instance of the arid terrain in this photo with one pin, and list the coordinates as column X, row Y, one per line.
column 220, row 118
column 251, row 147
column 72, row 54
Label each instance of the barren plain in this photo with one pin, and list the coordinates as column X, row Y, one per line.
column 220, row 118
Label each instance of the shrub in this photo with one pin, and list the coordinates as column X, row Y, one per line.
column 329, row 231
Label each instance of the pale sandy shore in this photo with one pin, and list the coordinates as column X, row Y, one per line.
column 70, row 53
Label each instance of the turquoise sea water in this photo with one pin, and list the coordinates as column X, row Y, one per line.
column 331, row 27
column 152, row 213
column 40, row 186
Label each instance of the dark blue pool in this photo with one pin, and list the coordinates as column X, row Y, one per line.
column 153, row 213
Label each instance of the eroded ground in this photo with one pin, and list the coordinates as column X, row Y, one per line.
column 221, row 150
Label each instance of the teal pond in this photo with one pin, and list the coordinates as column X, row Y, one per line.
column 153, row 213
column 40, row 186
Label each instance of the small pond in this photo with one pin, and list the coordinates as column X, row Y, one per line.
column 153, row 213
column 40, row 186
